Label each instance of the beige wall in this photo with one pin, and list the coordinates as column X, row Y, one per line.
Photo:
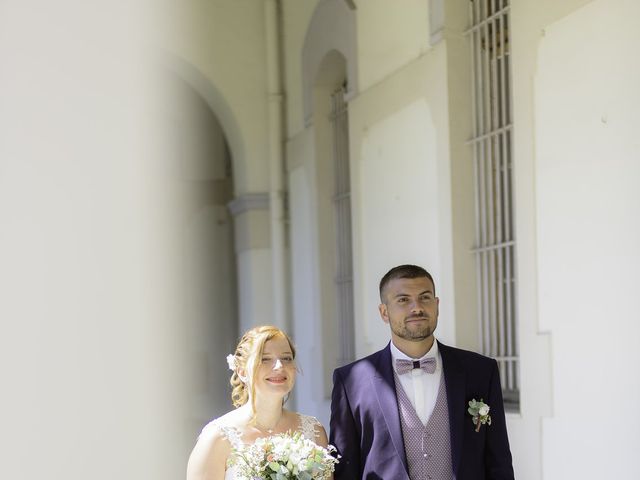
column 528, row 21
column 389, row 38
column 225, row 41
column 92, row 360
column 295, row 21
column 197, row 160
column 218, row 48
column 588, row 231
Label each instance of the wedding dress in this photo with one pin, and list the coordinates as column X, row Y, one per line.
column 308, row 427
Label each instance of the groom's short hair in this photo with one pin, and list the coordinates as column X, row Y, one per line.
column 404, row 271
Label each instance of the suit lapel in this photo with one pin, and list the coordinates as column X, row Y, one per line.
column 384, row 386
column 454, row 378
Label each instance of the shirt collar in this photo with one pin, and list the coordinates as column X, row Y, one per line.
column 396, row 353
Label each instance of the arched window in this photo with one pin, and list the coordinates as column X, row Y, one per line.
column 333, row 186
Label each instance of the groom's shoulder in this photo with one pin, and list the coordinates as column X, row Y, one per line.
column 467, row 358
column 364, row 366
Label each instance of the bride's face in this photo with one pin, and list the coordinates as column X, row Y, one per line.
column 276, row 369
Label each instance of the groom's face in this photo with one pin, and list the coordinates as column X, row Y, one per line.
column 410, row 307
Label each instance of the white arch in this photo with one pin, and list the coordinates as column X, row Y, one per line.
column 332, row 27
column 221, row 109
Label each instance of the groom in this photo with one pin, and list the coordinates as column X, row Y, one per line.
column 401, row 413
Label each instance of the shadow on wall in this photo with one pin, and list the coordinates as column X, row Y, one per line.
column 197, row 161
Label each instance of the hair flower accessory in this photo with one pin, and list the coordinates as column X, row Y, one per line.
column 479, row 412
column 231, row 361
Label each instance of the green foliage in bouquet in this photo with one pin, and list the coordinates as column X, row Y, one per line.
column 286, row 456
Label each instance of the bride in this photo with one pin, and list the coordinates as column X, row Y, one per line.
column 264, row 372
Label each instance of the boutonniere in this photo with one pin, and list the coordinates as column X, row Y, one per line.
column 479, row 412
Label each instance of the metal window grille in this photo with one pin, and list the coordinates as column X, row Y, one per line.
column 493, row 165
column 343, row 278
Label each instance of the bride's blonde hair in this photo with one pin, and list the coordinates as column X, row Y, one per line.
column 247, row 357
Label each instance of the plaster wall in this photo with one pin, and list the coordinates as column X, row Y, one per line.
column 588, row 232
column 200, row 33
column 461, row 195
column 195, row 152
column 296, row 16
column 307, row 321
column 389, row 38
column 210, row 313
column 254, row 268
column 529, row 19
column 219, row 48
column 90, row 358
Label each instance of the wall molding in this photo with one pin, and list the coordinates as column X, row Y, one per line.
column 248, row 202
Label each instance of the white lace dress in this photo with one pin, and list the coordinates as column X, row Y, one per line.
column 308, row 427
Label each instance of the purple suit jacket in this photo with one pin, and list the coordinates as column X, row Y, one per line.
column 365, row 423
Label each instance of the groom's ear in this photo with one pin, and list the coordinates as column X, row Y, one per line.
column 382, row 308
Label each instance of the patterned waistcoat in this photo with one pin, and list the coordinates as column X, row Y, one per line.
column 428, row 447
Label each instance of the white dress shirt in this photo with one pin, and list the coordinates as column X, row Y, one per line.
column 421, row 387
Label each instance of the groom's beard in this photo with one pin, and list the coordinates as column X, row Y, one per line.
column 415, row 332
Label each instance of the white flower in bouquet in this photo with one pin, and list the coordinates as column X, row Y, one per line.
column 285, row 456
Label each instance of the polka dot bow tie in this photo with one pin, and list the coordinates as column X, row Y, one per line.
column 405, row 366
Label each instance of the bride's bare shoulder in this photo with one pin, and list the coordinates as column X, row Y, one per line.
column 209, row 456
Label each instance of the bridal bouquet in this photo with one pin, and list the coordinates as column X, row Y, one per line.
column 286, row 456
